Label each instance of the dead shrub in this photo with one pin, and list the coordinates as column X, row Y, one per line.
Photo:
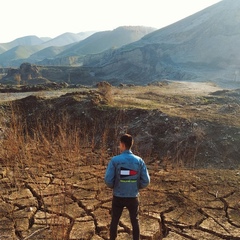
column 105, row 90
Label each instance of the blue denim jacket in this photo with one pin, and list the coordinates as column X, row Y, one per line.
column 126, row 174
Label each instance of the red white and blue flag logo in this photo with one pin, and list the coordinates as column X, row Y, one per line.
column 127, row 172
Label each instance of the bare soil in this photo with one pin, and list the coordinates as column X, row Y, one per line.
column 55, row 151
column 73, row 203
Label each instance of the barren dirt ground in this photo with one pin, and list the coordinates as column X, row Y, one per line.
column 72, row 202
column 189, row 88
column 59, row 193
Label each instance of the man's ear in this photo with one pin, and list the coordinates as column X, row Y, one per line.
column 122, row 146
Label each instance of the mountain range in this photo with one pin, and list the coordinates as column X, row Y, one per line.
column 67, row 46
column 202, row 47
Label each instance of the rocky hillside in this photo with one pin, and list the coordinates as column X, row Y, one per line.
column 30, row 74
column 202, row 46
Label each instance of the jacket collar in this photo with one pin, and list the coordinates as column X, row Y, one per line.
column 127, row 152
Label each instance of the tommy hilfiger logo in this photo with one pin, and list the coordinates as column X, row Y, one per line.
column 124, row 172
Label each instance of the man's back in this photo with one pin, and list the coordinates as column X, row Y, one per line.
column 126, row 174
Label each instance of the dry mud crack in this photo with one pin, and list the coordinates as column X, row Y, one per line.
column 63, row 204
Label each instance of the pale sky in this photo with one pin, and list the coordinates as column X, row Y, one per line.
column 50, row 18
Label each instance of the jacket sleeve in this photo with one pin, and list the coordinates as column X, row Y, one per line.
column 144, row 177
column 110, row 175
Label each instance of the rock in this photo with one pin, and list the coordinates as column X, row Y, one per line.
column 7, row 230
column 150, row 231
column 103, row 219
column 96, row 237
column 38, row 232
column 82, row 229
column 44, row 219
column 73, row 210
column 23, row 198
column 5, row 209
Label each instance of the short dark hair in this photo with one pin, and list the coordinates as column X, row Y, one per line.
column 127, row 140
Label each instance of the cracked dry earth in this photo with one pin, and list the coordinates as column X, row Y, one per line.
column 69, row 200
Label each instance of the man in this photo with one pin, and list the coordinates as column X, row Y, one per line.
column 126, row 174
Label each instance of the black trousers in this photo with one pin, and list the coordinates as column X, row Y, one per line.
column 132, row 204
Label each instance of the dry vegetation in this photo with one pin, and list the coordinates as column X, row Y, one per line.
column 53, row 157
column 187, row 100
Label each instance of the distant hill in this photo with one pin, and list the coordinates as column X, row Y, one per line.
column 98, row 42
column 67, row 38
column 12, row 56
column 2, row 49
column 45, row 39
column 104, row 40
column 68, row 48
column 19, row 50
column 23, row 41
column 202, row 46
column 48, row 52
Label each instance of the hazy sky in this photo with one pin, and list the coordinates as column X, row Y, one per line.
column 50, row 18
